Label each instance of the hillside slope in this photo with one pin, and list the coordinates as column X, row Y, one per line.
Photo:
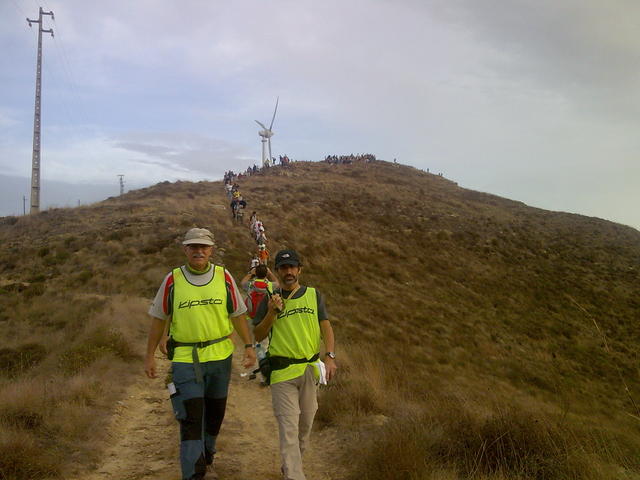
column 477, row 336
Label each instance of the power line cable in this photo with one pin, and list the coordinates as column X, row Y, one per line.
column 19, row 8
column 61, row 51
column 68, row 72
column 65, row 106
column 78, row 102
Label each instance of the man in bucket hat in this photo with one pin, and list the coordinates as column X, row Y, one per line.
column 203, row 306
column 295, row 318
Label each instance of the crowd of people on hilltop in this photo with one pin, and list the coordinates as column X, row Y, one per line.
column 342, row 159
column 232, row 177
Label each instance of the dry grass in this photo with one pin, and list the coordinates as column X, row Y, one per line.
column 439, row 293
column 509, row 443
column 364, row 388
column 22, row 457
column 418, row 433
column 54, row 398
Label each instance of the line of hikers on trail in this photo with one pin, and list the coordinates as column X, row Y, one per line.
column 232, row 189
column 194, row 313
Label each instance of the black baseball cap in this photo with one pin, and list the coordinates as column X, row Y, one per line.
column 287, row 257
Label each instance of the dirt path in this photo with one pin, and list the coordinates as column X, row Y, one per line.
column 144, row 436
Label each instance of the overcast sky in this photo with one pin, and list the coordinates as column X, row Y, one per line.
column 536, row 101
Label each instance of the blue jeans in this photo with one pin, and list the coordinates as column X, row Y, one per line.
column 199, row 407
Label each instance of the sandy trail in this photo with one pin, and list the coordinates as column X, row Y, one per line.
column 143, row 436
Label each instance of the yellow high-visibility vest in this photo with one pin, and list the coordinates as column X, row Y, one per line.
column 296, row 334
column 200, row 314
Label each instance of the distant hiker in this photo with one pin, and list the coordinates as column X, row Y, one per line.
column 255, row 261
column 257, row 283
column 263, row 254
column 252, row 219
column 238, row 204
column 295, row 319
column 203, row 306
column 257, row 228
column 261, row 238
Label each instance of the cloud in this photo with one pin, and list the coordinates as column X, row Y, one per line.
column 184, row 153
column 583, row 49
column 491, row 93
column 144, row 158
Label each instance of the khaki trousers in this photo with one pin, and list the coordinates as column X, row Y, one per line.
column 295, row 403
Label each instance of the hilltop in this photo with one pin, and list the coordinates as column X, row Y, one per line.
column 478, row 337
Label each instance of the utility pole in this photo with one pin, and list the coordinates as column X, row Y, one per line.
column 121, row 184
column 35, row 160
column 24, row 205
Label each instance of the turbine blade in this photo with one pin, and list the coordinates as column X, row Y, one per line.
column 270, row 157
column 274, row 112
column 262, row 125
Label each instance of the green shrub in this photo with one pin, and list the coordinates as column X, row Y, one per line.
column 82, row 277
column 99, row 342
column 37, row 278
column 21, row 458
column 14, row 361
column 11, row 220
column 57, row 259
column 22, row 419
column 34, row 290
column 119, row 235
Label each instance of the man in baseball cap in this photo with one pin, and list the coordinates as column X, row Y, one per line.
column 202, row 306
column 287, row 257
column 296, row 319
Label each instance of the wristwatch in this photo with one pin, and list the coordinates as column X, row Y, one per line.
column 331, row 355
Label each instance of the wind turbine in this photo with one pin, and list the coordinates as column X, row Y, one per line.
column 266, row 134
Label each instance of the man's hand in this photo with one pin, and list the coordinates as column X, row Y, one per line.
column 163, row 344
column 249, row 358
column 150, row 367
column 275, row 303
column 331, row 367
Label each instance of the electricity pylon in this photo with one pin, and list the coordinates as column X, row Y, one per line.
column 35, row 159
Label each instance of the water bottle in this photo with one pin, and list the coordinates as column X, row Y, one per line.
column 260, row 352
